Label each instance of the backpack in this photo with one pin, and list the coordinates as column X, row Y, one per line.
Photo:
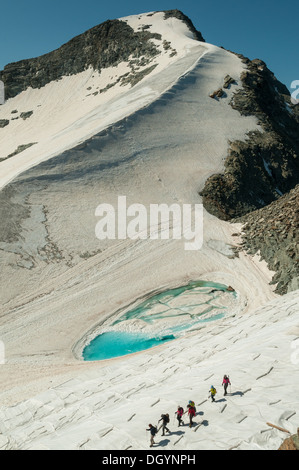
column 166, row 418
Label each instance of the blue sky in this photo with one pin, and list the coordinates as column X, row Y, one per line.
column 262, row 29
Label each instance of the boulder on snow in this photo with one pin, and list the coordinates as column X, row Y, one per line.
column 291, row 443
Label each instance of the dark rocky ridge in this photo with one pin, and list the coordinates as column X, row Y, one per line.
column 258, row 171
column 102, row 46
column 273, row 231
column 180, row 16
column 265, row 165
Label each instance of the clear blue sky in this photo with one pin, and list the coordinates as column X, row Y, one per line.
column 264, row 29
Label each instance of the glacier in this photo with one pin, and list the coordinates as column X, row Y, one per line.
column 156, row 142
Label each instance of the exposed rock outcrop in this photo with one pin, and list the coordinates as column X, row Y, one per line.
column 266, row 165
column 106, row 44
column 180, row 16
column 273, row 231
column 102, row 46
column 259, row 171
column 291, row 443
column 4, row 122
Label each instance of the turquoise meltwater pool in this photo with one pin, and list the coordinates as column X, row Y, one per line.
column 162, row 317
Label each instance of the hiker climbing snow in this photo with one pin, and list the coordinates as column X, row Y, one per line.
column 213, row 392
column 191, row 413
column 225, row 383
column 153, row 430
column 165, row 420
column 179, row 413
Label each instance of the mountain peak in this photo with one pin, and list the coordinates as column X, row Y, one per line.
column 135, row 37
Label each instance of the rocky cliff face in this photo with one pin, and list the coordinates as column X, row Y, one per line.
column 266, row 165
column 103, row 46
column 258, row 185
column 273, row 232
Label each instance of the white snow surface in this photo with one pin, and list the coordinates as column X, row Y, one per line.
column 111, row 406
column 49, row 397
column 67, row 112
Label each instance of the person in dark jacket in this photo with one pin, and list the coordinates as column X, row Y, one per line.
column 153, row 430
column 165, row 421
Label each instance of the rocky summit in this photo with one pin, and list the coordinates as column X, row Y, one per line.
column 102, row 46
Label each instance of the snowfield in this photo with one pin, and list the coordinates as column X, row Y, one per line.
column 69, row 111
column 156, row 142
column 111, row 406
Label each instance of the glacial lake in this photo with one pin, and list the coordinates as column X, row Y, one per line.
column 161, row 319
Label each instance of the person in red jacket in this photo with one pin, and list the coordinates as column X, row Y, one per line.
column 191, row 413
column 225, row 383
column 179, row 413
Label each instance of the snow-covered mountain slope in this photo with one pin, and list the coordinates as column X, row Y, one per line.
column 110, row 407
column 70, row 110
column 154, row 139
